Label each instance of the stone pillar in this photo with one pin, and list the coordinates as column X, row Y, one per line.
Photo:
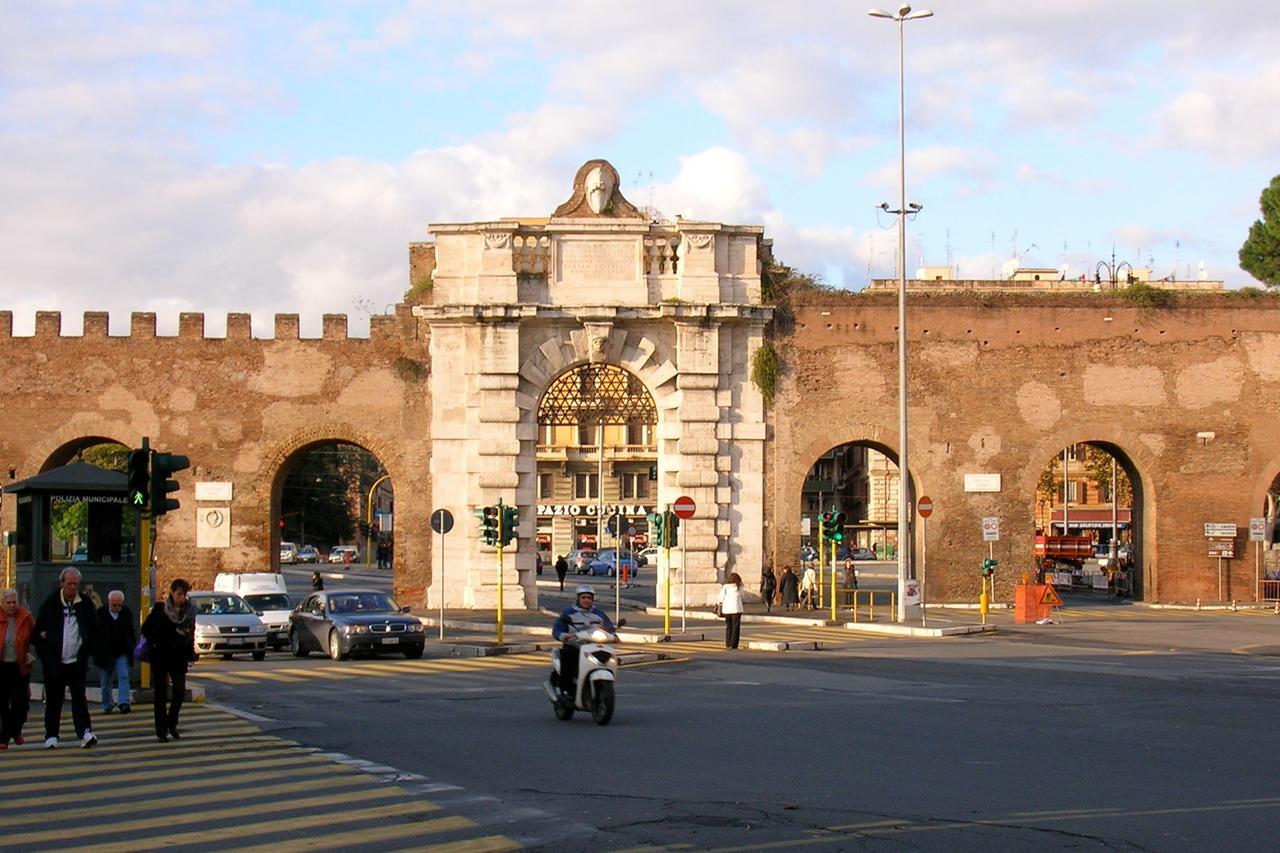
column 697, row 451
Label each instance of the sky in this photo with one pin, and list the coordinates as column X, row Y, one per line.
column 279, row 157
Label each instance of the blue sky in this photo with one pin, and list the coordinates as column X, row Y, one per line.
column 268, row 158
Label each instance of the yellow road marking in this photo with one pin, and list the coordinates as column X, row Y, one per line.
column 220, row 677
column 194, row 769
column 239, row 792
column 314, row 673
column 269, row 676
column 488, row 844
column 179, row 819
column 76, row 798
column 312, row 821
column 51, row 758
column 159, row 758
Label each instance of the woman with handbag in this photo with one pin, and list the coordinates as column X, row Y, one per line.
column 730, row 608
column 170, row 632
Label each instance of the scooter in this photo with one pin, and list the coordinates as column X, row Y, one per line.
column 597, row 671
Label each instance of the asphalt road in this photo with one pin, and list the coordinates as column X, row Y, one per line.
column 1106, row 737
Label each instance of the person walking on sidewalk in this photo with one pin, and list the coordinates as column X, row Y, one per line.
column 790, row 587
column 562, row 569
column 317, row 582
column 170, row 630
column 809, row 588
column 64, row 631
column 731, row 610
column 114, row 652
column 16, row 626
column 768, row 585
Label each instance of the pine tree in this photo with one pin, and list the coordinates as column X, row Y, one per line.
column 1260, row 254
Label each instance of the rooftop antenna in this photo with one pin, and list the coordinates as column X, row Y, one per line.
column 949, row 259
column 993, row 256
column 871, row 254
column 1177, row 259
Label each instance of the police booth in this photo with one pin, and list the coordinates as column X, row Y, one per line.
column 78, row 515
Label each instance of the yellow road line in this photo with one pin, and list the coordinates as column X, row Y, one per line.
column 311, row 821
column 77, row 798
column 47, row 758
column 220, row 677
column 269, row 676
column 161, row 805
column 488, row 844
column 314, row 673
column 86, row 781
column 160, row 758
column 172, row 819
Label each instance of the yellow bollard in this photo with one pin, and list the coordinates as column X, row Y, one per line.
column 984, row 602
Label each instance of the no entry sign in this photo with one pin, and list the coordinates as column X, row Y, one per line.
column 684, row 507
column 924, row 506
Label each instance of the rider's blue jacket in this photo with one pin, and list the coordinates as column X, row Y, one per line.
column 574, row 618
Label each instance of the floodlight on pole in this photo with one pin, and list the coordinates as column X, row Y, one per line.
column 905, row 539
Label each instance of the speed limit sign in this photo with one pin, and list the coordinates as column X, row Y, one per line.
column 990, row 529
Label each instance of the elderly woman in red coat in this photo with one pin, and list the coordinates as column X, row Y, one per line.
column 16, row 624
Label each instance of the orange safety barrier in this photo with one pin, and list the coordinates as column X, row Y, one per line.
column 1033, row 602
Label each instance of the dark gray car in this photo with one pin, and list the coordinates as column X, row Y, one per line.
column 341, row 621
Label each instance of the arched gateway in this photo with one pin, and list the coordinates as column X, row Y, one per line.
column 516, row 304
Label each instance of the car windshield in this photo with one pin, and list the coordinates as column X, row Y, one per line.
column 269, row 601
column 220, row 605
column 361, row 602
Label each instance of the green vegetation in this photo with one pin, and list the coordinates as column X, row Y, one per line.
column 409, row 370
column 1260, row 254
column 1144, row 295
column 420, row 291
column 765, row 370
column 70, row 521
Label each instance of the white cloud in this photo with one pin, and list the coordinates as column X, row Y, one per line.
column 933, row 162
column 1227, row 115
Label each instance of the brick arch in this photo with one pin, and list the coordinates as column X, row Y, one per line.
column 633, row 351
column 81, row 430
column 275, row 462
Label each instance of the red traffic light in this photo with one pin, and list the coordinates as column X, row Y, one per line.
column 281, row 523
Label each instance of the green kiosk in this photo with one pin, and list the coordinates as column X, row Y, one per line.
column 78, row 515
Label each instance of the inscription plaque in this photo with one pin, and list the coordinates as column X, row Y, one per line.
column 597, row 260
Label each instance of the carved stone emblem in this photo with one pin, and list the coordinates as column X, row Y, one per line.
column 698, row 241
column 597, row 340
column 596, row 195
column 497, row 240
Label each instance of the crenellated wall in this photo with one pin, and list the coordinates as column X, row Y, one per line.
column 240, row 407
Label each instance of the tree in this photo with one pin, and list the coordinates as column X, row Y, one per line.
column 1260, row 254
column 70, row 521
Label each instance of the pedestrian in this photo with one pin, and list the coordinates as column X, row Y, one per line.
column 317, row 582
column 850, row 577
column 790, row 589
column 562, row 569
column 113, row 652
column 64, row 631
column 768, row 585
column 170, row 630
column 808, row 587
column 16, row 626
column 731, row 610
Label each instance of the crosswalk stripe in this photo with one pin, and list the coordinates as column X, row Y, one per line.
column 85, row 781
column 314, row 673
column 312, row 821
column 111, row 748
column 488, row 844
column 363, row 837
column 109, row 761
column 271, row 675
column 220, row 677
column 78, row 798
column 172, row 819
column 164, row 804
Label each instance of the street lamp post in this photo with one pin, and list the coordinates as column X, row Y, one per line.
column 905, row 539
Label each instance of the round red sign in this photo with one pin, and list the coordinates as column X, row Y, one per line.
column 684, row 507
column 925, row 507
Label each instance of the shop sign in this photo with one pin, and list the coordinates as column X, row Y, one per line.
column 589, row 510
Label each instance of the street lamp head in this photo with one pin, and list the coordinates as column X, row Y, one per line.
column 884, row 205
column 904, row 10
column 880, row 13
column 922, row 13
column 916, row 208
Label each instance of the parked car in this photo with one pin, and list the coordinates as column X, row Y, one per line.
column 580, row 560
column 344, row 554
column 267, row 594
column 288, row 553
column 647, row 556
column 308, row 554
column 341, row 621
column 227, row 625
column 604, row 563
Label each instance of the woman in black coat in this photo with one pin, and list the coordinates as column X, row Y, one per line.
column 790, row 587
column 170, row 630
column 768, row 585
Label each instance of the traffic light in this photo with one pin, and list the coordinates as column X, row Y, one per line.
column 487, row 516
column 363, row 526
column 163, row 466
column 139, row 479
column 989, row 567
column 657, row 533
column 829, row 525
column 837, row 527
column 510, row 521
column 673, row 530
column 653, row 472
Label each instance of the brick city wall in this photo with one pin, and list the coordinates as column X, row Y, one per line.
column 1002, row 384
column 240, row 407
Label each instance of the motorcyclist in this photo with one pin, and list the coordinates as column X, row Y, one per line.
column 583, row 615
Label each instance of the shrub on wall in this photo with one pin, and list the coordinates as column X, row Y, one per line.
column 765, row 369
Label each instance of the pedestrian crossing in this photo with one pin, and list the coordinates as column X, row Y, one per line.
column 242, row 674
column 224, row 785
column 1165, row 614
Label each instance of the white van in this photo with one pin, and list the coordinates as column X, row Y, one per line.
column 267, row 595
column 288, row 552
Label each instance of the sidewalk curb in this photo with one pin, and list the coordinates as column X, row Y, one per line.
column 909, row 631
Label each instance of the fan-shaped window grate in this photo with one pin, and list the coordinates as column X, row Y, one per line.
column 596, row 394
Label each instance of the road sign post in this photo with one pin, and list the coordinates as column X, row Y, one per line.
column 684, row 508
column 924, row 506
column 1257, row 535
column 441, row 523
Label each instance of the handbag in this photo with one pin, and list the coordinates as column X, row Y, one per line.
column 716, row 610
column 142, row 651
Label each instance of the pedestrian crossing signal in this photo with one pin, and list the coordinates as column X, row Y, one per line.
column 657, row 532
column 487, row 519
column 510, row 521
column 989, row 567
column 140, row 478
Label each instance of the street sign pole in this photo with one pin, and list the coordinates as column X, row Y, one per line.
column 441, row 523
column 924, row 563
column 500, row 571
column 666, row 560
column 684, row 583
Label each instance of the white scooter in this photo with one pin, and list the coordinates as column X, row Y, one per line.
column 597, row 671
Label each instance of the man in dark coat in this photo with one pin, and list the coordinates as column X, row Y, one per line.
column 64, row 630
column 113, row 651
column 562, row 568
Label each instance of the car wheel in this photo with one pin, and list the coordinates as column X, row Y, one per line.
column 602, row 703
column 260, row 655
column 295, row 644
column 335, row 647
column 413, row 652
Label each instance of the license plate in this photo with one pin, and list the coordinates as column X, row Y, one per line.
column 390, row 641
column 235, row 641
